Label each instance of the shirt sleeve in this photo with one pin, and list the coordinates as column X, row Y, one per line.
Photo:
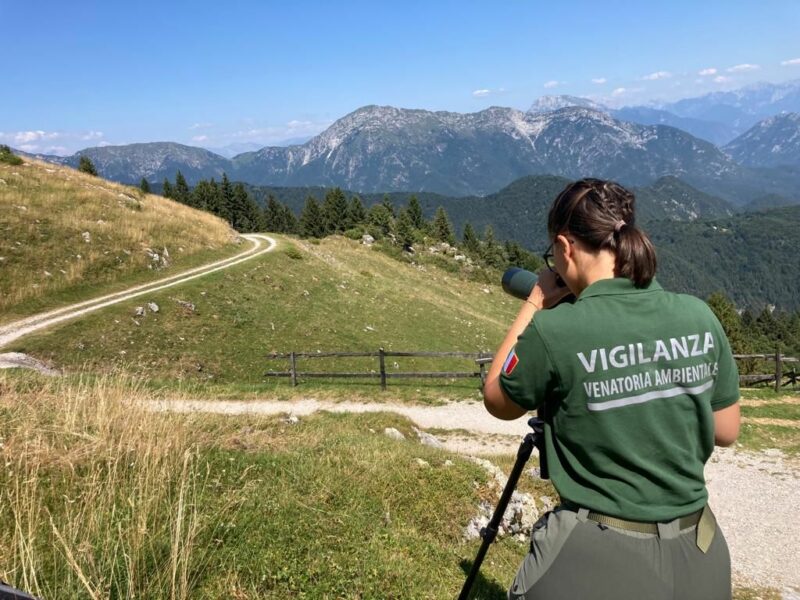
column 726, row 386
column 528, row 376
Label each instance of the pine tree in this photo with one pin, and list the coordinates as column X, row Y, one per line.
column 85, row 165
column 291, row 225
column 415, row 213
column 404, row 230
column 380, row 221
column 244, row 212
column 389, row 206
column 491, row 253
column 472, row 244
column 334, row 211
column 730, row 320
column 356, row 215
column 202, row 196
column 166, row 189
column 274, row 216
column 442, row 228
column 311, row 219
column 226, row 199
column 144, row 185
column 181, row 191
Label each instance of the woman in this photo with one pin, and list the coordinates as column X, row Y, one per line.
column 638, row 385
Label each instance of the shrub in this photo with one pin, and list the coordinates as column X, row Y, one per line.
column 87, row 166
column 8, row 157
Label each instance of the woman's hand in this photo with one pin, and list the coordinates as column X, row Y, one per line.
column 549, row 290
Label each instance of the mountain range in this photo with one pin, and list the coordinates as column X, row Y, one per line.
column 386, row 149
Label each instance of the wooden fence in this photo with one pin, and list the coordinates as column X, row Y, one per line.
column 381, row 372
column 779, row 377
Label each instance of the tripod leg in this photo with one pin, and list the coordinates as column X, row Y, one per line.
column 490, row 531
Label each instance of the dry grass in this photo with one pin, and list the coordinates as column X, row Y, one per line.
column 99, row 496
column 46, row 209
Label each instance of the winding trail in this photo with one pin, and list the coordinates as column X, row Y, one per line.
column 754, row 494
column 17, row 329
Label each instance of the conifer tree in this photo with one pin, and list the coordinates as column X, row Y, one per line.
column 311, row 219
column 470, row 240
column 244, row 212
column 144, row 185
column 166, row 190
column 334, row 211
column 216, row 201
column 226, row 199
column 290, row 223
column 202, row 196
column 181, row 191
column 415, row 213
column 491, row 253
column 274, row 216
column 404, row 230
column 380, row 220
column 389, row 206
column 730, row 320
column 85, row 165
column 442, row 229
column 356, row 214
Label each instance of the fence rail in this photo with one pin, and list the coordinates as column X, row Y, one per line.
column 381, row 373
column 779, row 377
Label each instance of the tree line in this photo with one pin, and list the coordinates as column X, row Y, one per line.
column 761, row 333
column 405, row 226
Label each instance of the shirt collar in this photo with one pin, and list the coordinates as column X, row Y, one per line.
column 617, row 286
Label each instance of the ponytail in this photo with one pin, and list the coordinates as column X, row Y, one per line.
column 635, row 256
column 601, row 214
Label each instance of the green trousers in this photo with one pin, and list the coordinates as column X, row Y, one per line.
column 573, row 558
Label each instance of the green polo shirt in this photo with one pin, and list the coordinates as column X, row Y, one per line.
column 631, row 378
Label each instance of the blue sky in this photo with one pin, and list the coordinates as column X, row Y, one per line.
column 80, row 74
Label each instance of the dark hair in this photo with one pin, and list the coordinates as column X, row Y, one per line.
column 601, row 215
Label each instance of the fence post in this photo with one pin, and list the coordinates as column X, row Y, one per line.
column 293, row 368
column 382, row 360
column 778, row 369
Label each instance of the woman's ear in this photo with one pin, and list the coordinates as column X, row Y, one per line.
column 566, row 246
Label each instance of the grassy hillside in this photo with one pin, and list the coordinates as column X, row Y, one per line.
column 304, row 296
column 103, row 498
column 68, row 236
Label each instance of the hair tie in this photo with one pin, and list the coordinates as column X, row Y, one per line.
column 619, row 225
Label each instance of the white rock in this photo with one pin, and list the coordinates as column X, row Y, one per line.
column 427, row 439
column 367, row 239
column 292, row 419
column 3, row 182
column 87, row 237
column 459, row 258
column 152, row 306
column 423, row 463
column 393, row 433
column 139, row 312
column 448, row 463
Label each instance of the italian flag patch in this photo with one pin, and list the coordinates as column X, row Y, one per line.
column 511, row 362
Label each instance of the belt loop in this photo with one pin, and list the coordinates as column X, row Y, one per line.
column 663, row 530
column 583, row 515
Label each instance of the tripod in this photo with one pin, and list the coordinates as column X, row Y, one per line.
column 533, row 439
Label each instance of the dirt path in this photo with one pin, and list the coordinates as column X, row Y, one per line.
column 17, row 329
column 754, row 495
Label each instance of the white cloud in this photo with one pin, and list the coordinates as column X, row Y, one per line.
column 200, row 138
column 104, row 144
column 791, row 61
column 481, row 93
column 59, row 150
column 618, row 91
column 200, row 126
column 706, row 72
column 25, row 137
column 722, row 79
column 551, row 84
column 599, row 80
column 743, row 68
column 657, row 75
column 92, row 135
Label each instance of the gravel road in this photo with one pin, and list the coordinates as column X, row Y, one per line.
column 16, row 329
column 753, row 494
